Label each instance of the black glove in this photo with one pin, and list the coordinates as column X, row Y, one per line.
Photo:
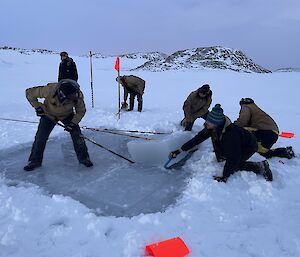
column 220, row 179
column 69, row 127
column 124, row 105
column 39, row 111
column 173, row 154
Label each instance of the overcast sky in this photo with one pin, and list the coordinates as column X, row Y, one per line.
column 268, row 31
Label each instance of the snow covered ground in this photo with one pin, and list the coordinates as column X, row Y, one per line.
column 54, row 210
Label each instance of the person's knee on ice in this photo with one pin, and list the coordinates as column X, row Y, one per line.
column 263, row 127
column 196, row 105
column 233, row 143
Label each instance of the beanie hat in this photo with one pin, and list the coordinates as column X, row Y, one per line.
column 216, row 115
column 246, row 101
column 121, row 77
column 63, row 53
column 204, row 90
column 68, row 86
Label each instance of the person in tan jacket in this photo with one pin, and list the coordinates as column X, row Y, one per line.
column 263, row 127
column 134, row 86
column 63, row 101
column 196, row 106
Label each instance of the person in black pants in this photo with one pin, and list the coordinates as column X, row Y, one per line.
column 63, row 102
column 67, row 68
column 231, row 143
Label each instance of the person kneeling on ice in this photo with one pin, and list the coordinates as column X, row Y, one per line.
column 264, row 128
column 134, row 86
column 63, row 102
column 231, row 143
column 196, row 106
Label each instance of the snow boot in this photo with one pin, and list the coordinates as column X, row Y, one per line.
column 267, row 173
column 290, row 151
column 283, row 152
column 260, row 168
column 140, row 106
column 31, row 166
column 87, row 163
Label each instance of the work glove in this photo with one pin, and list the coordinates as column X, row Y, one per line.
column 124, row 105
column 220, row 179
column 174, row 154
column 69, row 127
column 39, row 111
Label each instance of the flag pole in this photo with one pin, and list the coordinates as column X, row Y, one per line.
column 119, row 93
column 117, row 68
column 92, row 90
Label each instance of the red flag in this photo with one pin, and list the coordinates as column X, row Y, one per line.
column 117, row 64
column 287, row 134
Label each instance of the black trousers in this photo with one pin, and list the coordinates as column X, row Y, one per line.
column 267, row 138
column 45, row 127
column 139, row 99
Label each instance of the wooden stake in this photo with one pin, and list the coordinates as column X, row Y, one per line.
column 92, row 90
column 119, row 97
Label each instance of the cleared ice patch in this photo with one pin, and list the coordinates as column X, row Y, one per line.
column 113, row 187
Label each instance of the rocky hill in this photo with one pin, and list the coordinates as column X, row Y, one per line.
column 205, row 58
column 190, row 59
column 28, row 51
column 288, row 70
column 150, row 56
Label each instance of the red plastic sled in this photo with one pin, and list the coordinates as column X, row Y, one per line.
column 174, row 247
column 287, row 134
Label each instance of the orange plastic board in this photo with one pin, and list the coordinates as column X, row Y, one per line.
column 174, row 247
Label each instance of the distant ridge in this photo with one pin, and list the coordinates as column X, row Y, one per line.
column 201, row 58
column 287, row 70
column 205, row 57
column 28, row 51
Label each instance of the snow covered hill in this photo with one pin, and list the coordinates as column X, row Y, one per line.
column 116, row 208
column 205, row 57
column 288, row 70
column 190, row 59
column 28, row 51
column 149, row 56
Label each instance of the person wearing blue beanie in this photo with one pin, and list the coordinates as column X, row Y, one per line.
column 216, row 116
column 231, row 143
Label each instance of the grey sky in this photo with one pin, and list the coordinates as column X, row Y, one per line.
column 268, row 31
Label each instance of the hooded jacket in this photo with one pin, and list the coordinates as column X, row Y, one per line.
column 67, row 70
column 52, row 105
column 253, row 117
column 133, row 84
column 195, row 106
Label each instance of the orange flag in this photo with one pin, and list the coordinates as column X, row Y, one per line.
column 117, row 64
